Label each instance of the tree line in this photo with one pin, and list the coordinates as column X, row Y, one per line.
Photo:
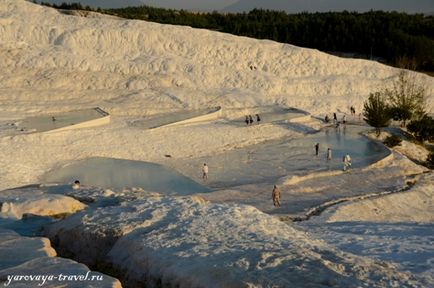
column 404, row 100
column 399, row 39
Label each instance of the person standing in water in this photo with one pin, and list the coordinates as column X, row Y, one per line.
column 250, row 119
column 275, row 195
column 247, row 120
column 347, row 161
column 316, row 149
column 329, row 154
column 205, row 172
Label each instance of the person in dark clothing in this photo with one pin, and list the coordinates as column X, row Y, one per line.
column 250, row 119
column 247, row 120
column 258, row 119
column 316, row 149
column 335, row 118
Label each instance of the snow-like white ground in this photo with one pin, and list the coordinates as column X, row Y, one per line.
column 16, row 203
column 190, row 243
column 397, row 227
column 52, row 63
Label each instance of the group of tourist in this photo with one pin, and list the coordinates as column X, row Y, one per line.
column 249, row 119
column 275, row 194
column 346, row 159
column 335, row 119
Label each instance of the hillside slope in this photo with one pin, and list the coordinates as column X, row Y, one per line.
column 118, row 64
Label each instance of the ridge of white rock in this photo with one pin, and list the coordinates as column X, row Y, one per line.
column 31, row 262
column 413, row 206
column 15, row 203
column 180, row 242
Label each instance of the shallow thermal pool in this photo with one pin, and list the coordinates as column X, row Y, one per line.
column 274, row 159
column 56, row 121
column 253, row 164
column 119, row 173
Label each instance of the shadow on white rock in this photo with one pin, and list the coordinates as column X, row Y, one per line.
column 30, row 262
column 183, row 242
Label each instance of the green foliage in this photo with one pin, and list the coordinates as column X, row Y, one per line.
column 406, row 98
column 392, row 141
column 422, row 129
column 376, row 112
column 398, row 38
column 430, row 161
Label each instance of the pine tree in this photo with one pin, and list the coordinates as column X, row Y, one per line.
column 376, row 112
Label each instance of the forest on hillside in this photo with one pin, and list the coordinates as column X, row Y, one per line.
column 399, row 39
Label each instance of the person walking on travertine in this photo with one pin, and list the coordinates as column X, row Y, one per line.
column 347, row 161
column 205, row 172
column 329, row 154
column 250, row 119
column 258, row 119
column 276, row 196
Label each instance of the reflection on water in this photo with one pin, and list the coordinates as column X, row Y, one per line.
column 274, row 159
column 263, row 162
column 118, row 174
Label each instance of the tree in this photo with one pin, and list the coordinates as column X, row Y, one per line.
column 422, row 129
column 430, row 161
column 376, row 112
column 407, row 98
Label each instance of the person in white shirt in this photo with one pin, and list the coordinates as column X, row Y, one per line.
column 329, row 154
column 347, row 161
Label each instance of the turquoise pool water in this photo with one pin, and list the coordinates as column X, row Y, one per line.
column 257, row 163
column 273, row 159
column 117, row 174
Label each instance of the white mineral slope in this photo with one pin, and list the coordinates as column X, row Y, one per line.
column 398, row 227
column 191, row 243
column 415, row 205
column 31, row 200
column 128, row 66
